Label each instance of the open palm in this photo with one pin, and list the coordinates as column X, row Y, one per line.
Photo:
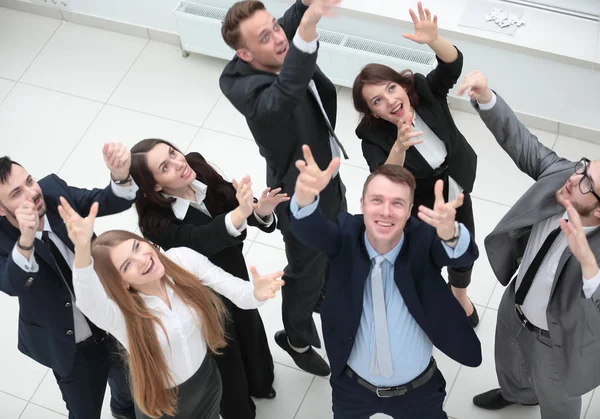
column 79, row 229
column 266, row 286
column 426, row 28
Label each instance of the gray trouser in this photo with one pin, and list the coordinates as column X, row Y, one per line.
column 526, row 367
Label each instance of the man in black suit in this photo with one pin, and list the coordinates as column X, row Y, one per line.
column 36, row 258
column 274, row 81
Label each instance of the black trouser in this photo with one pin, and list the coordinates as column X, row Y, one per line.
column 353, row 401
column 307, row 273
column 245, row 364
column 457, row 277
column 84, row 388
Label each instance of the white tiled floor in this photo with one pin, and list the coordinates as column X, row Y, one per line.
column 66, row 89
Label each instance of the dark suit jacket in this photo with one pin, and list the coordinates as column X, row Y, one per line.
column 205, row 235
column 461, row 162
column 281, row 112
column 417, row 275
column 44, row 315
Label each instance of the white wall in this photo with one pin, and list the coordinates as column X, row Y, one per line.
column 536, row 83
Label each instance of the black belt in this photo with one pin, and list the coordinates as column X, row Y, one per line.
column 394, row 391
column 95, row 339
column 528, row 325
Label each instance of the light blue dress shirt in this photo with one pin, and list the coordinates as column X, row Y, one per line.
column 410, row 347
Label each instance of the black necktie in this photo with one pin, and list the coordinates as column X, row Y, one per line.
column 534, row 266
column 67, row 276
column 329, row 127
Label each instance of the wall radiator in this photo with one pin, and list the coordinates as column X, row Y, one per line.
column 341, row 56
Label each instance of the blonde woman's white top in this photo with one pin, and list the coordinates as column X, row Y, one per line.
column 185, row 348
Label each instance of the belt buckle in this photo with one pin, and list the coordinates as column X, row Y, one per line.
column 399, row 392
column 97, row 341
column 377, row 391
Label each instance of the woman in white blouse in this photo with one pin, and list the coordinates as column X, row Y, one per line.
column 162, row 309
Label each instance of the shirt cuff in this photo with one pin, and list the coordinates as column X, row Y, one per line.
column 302, row 45
column 489, row 105
column 126, row 192
column 27, row 265
column 234, row 232
column 591, row 285
column 267, row 221
column 462, row 245
column 299, row 213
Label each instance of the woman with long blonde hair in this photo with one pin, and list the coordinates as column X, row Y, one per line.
column 163, row 309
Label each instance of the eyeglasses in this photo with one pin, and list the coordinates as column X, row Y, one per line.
column 585, row 184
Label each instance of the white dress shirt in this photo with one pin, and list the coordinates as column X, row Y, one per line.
column 82, row 329
column 434, row 152
column 536, row 302
column 187, row 347
column 180, row 207
column 310, row 48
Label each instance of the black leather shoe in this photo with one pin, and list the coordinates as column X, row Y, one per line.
column 474, row 317
column 493, row 400
column 309, row 361
column 271, row 394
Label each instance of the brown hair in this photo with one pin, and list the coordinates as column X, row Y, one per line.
column 154, row 210
column 379, row 74
column 152, row 385
column 396, row 174
column 239, row 12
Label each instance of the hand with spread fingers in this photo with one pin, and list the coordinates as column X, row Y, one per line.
column 268, row 200
column 312, row 180
column 79, row 229
column 244, row 195
column 118, row 160
column 426, row 27
column 266, row 286
column 443, row 214
column 578, row 243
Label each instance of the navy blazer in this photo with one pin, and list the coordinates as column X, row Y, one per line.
column 45, row 312
column 417, row 274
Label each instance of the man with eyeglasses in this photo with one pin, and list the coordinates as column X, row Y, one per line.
column 547, row 348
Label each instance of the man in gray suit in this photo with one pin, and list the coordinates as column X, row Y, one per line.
column 547, row 348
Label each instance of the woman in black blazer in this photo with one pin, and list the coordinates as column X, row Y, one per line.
column 406, row 121
column 184, row 202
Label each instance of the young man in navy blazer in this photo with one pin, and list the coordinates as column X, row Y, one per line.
column 36, row 258
column 387, row 265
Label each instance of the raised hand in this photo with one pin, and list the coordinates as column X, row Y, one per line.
column 478, row 85
column 244, row 195
column 80, row 229
column 312, row 180
column 268, row 201
column 443, row 214
column 578, row 243
column 426, row 28
column 28, row 218
column 266, row 286
column 317, row 9
column 118, row 160
column 405, row 138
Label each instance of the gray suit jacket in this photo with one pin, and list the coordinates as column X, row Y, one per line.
column 573, row 320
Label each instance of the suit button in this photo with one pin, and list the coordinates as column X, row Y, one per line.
column 69, row 332
column 29, row 282
column 67, row 304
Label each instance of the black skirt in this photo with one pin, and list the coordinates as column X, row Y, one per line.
column 200, row 396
